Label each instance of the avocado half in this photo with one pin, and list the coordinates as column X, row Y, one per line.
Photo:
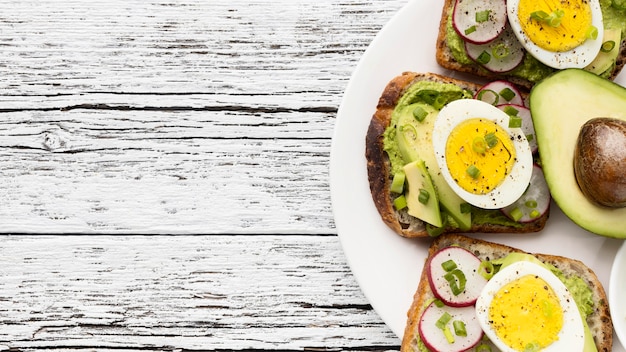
column 560, row 105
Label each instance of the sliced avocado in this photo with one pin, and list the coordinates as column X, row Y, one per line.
column 606, row 57
column 414, row 135
column 560, row 105
column 419, row 181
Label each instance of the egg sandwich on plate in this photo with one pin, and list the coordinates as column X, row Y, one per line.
column 524, row 41
column 445, row 155
column 475, row 295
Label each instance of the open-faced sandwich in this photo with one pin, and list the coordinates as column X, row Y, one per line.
column 475, row 295
column 524, row 41
column 445, row 155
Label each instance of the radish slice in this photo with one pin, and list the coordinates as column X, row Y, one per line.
column 502, row 54
column 464, row 261
column 479, row 21
column 527, row 123
column 432, row 326
column 500, row 92
column 534, row 202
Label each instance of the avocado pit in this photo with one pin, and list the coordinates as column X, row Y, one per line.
column 600, row 161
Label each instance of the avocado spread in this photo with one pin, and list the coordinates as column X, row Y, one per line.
column 613, row 16
column 435, row 95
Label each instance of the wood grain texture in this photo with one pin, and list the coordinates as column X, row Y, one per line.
column 184, row 292
column 174, row 117
column 120, row 118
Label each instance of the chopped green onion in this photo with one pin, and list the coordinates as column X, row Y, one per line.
column 553, row 19
column 546, row 308
column 539, row 16
column 491, row 139
column 443, row 320
column 457, row 281
column 470, row 30
column 397, row 184
column 486, row 269
column 479, row 145
column 448, row 265
column 448, row 334
column 535, row 214
column 532, row 347
column 482, row 16
column 424, row 196
column 592, row 32
column 496, row 97
column 511, row 111
column 440, row 101
column 531, row 203
column 483, row 347
column 515, row 122
column 530, row 137
column 459, row 328
column 500, row 51
column 473, row 171
column 465, row 208
column 400, row 203
column 507, row 94
column 419, row 113
column 516, row 214
column 483, row 58
column 607, row 46
column 439, row 303
column 434, row 231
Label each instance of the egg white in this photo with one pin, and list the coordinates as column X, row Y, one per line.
column 577, row 57
column 571, row 336
column 515, row 182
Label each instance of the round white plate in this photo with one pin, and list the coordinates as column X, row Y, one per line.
column 386, row 266
column 617, row 293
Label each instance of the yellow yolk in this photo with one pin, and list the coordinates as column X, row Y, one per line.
column 571, row 32
column 526, row 312
column 475, row 162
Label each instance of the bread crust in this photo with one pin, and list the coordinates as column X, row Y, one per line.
column 599, row 321
column 379, row 167
column 446, row 60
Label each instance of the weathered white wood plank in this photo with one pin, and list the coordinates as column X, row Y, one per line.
column 187, row 292
column 183, row 117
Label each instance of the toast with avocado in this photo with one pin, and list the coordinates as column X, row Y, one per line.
column 505, row 57
column 407, row 185
column 440, row 320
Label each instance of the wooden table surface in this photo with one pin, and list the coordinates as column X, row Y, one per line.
column 164, row 178
column 164, row 175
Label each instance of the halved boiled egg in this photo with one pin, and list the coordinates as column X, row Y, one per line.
column 485, row 161
column 525, row 307
column 561, row 34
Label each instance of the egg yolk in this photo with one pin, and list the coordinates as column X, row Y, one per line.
column 479, row 155
column 526, row 314
column 571, row 31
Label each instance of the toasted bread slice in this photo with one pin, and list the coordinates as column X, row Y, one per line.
column 599, row 321
column 379, row 167
column 446, row 59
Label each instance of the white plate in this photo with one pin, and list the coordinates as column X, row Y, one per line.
column 617, row 293
column 386, row 266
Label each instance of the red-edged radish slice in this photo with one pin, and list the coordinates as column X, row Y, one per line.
column 444, row 280
column 502, row 54
column 479, row 21
column 534, row 202
column 527, row 122
column 435, row 320
column 500, row 92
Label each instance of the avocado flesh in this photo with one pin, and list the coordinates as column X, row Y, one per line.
column 420, row 147
column 560, row 105
column 419, row 180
